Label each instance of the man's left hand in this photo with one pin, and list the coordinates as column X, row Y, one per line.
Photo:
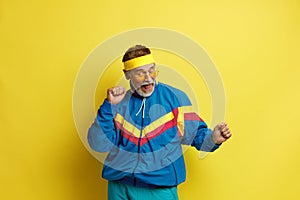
column 221, row 133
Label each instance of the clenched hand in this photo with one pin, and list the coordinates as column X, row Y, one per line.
column 116, row 94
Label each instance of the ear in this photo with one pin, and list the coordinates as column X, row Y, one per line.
column 127, row 74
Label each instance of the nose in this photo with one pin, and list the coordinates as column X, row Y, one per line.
column 147, row 76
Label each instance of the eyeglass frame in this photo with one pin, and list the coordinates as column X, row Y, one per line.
column 144, row 73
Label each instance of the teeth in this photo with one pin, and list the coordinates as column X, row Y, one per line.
column 145, row 84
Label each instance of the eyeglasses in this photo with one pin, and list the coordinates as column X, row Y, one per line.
column 141, row 75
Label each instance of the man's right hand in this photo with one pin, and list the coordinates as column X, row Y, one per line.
column 116, row 94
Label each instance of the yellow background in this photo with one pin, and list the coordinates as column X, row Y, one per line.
column 254, row 44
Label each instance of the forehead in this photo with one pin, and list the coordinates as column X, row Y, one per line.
column 145, row 67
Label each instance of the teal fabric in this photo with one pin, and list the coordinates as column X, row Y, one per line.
column 120, row 191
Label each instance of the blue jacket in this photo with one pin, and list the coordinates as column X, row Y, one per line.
column 143, row 137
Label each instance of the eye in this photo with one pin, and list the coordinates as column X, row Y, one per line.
column 153, row 72
column 139, row 73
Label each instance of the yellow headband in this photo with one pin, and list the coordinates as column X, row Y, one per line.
column 138, row 62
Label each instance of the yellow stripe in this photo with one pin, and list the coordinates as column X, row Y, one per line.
column 187, row 109
column 160, row 121
column 128, row 126
column 154, row 125
column 180, row 119
column 151, row 127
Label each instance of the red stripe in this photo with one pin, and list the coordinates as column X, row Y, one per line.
column 127, row 134
column 175, row 113
column 192, row 116
column 158, row 131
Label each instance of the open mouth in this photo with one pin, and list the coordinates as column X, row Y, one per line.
column 147, row 86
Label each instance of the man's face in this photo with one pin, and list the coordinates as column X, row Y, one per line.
column 143, row 79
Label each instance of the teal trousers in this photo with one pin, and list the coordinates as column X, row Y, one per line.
column 120, row 191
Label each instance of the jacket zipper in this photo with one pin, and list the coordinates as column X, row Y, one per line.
column 139, row 148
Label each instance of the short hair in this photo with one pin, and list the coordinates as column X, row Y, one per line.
column 136, row 51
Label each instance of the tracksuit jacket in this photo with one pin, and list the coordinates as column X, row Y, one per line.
column 143, row 137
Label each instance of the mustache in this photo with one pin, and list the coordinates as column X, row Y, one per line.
column 147, row 83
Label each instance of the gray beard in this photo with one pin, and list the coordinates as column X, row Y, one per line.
column 140, row 92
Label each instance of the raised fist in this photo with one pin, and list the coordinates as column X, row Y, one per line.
column 221, row 133
column 115, row 94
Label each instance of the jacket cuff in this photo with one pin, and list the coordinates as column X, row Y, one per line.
column 107, row 107
column 209, row 144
